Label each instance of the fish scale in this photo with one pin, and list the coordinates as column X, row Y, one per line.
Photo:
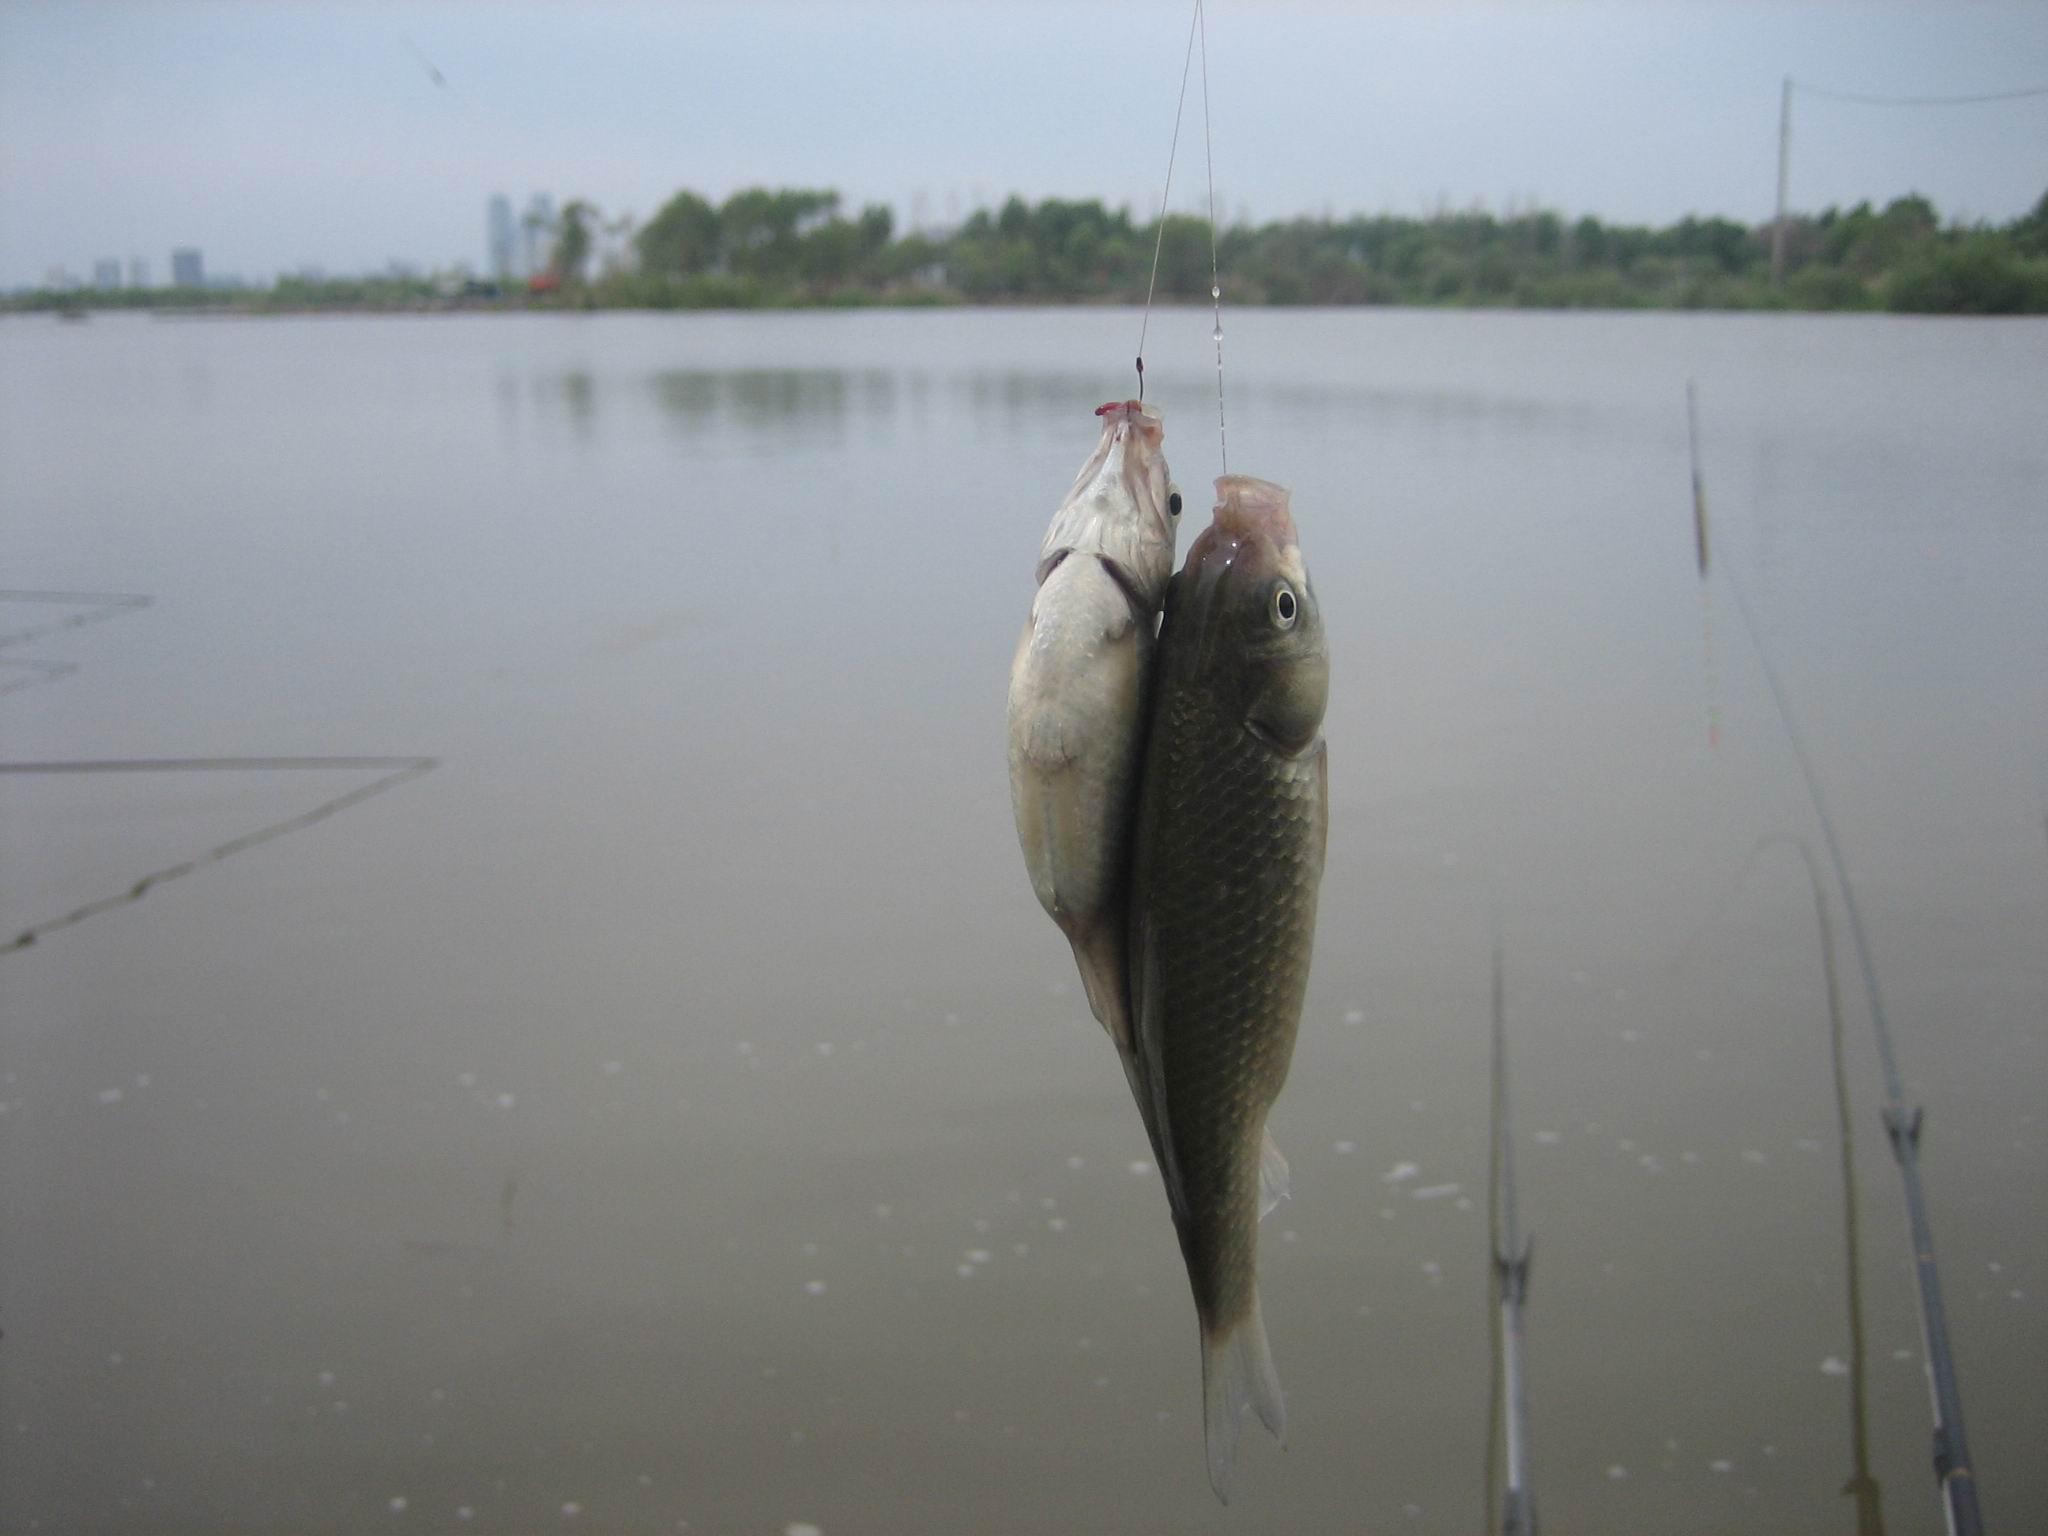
column 1232, row 972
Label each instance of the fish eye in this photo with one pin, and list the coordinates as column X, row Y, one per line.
column 1285, row 608
column 1173, row 503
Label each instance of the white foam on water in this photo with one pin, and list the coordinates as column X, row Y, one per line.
column 1433, row 1191
column 1834, row 1366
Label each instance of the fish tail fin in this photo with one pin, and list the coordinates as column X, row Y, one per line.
column 1237, row 1373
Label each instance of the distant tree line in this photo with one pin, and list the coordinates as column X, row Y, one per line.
column 766, row 247
column 797, row 247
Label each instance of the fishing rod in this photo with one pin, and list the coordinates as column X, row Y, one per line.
column 1511, row 1255
column 1953, row 1471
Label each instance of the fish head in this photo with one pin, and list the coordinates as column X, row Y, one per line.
column 1245, row 600
column 1123, row 508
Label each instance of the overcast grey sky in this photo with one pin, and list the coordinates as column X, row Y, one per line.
column 275, row 135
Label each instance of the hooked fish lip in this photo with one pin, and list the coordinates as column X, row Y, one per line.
column 1247, row 506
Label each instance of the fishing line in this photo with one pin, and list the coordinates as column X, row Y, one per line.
column 100, row 605
column 1172, row 150
column 398, row 771
column 1215, row 283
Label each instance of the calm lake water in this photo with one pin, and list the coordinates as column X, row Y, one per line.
column 672, row 1111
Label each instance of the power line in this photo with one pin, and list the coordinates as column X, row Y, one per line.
column 1868, row 99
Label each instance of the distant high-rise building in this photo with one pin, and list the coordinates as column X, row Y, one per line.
column 540, row 232
column 188, row 267
column 502, row 237
column 106, row 272
column 138, row 272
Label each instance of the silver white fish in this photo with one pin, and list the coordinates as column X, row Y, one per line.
column 1077, row 706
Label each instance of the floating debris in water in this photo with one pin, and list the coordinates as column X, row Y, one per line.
column 978, row 1256
column 1077, row 1163
column 110, row 1095
column 507, row 1100
column 397, row 1504
column 1618, row 1473
column 1400, row 1171
column 1721, row 1466
column 1433, row 1191
column 1139, row 1166
column 571, row 1510
column 465, row 1512
column 1343, row 1148
column 1751, row 1155
column 1834, row 1366
column 1354, row 1015
column 814, row 1287
column 1549, row 1138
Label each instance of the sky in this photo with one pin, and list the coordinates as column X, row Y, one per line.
column 294, row 133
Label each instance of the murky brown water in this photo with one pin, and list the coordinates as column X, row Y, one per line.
column 672, row 1111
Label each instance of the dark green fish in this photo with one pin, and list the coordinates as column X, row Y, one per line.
column 1233, row 816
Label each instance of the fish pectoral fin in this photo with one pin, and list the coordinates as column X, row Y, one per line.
column 1237, row 1373
column 1146, row 1064
column 1099, row 956
column 1272, row 1176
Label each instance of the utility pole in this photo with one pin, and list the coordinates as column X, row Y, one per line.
column 1784, row 173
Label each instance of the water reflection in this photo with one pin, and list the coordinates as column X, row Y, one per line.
column 1862, row 1485
column 810, row 401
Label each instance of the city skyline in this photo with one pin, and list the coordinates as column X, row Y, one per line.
column 344, row 137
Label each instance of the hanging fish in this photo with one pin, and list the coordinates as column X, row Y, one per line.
column 1078, row 689
column 1233, row 817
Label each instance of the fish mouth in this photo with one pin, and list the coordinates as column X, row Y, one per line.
column 1248, row 506
column 1252, row 526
